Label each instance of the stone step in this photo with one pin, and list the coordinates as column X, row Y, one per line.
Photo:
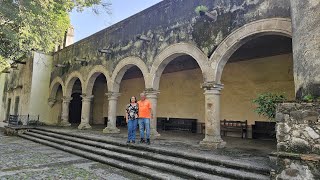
column 199, row 166
column 168, row 168
column 145, row 171
column 181, row 154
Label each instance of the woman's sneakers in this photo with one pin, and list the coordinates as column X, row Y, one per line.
column 148, row 141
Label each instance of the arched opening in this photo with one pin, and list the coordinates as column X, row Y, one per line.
column 57, row 107
column 132, row 84
column 181, row 100
column 263, row 64
column 99, row 106
column 75, row 105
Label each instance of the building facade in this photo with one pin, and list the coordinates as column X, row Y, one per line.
column 206, row 67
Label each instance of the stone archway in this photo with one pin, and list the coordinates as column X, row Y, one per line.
column 122, row 68
column 94, row 73
column 54, row 86
column 71, row 79
column 96, row 87
column 172, row 52
column 272, row 26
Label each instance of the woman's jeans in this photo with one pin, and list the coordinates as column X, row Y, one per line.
column 144, row 123
column 132, row 126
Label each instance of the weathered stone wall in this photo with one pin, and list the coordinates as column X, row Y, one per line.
column 167, row 23
column 298, row 136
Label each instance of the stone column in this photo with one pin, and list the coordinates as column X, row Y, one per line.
column 112, row 111
column 306, row 46
column 152, row 96
column 85, row 112
column 65, row 111
column 212, row 138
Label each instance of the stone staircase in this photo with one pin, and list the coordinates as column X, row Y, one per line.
column 148, row 161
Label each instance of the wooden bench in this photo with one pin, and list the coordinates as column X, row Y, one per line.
column 181, row 124
column 233, row 126
column 160, row 123
column 13, row 120
column 263, row 130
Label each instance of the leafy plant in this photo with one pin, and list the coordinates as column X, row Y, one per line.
column 200, row 9
column 266, row 104
column 308, row 98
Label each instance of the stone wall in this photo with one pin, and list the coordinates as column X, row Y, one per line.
column 298, row 136
column 168, row 22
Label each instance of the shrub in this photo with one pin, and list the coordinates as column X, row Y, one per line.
column 266, row 104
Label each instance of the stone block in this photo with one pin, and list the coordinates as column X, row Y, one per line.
column 283, row 128
column 310, row 116
column 312, row 133
column 279, row 117
column 296, row 115
column 300, row 145
column 282, row 146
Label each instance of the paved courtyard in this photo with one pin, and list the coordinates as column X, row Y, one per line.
column 23, row 159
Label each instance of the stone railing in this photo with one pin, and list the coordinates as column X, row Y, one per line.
column 298, row 141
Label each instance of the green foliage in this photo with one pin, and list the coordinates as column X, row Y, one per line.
column 308, row 98
column 201, row 9
column 266, row 104
column 3, row 64
column 27, row 25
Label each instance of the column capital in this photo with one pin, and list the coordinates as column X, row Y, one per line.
column 87, row 98
column 212, row 85
column 66, row 99
column 51, row 102
column 151, row 93
column 113, row 95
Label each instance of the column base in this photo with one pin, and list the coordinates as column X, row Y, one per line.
column 84, row 126
column 212, row 144
column 64, row 124
column 111, row 130
column 154, row 133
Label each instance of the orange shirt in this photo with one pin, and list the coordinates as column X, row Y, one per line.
column 144, row 109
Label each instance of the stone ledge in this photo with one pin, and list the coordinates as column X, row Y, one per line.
column 296, row 156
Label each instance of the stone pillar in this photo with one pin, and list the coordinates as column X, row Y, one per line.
column 306, row 46
column 112, row 111
column 152, row 96
column 65, row 111
column 85, row 112
column 212, row 138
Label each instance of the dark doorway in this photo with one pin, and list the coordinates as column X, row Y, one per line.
column 75, row 109
column 16, row 105
column 8, row 109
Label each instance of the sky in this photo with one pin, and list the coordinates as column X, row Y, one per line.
column 87, row 23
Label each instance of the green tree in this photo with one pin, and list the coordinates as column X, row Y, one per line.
column 266, row 104
column 27, row 25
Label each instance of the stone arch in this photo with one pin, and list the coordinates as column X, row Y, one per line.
column 70, row 82
column 169, row 54
column 54, row 87
column 122, row 68
column 272, row 26
column 94, row 73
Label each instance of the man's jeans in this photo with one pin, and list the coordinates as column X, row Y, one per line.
column 144, row 124
column 132, row 126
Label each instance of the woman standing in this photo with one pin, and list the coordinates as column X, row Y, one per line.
column 131, row 119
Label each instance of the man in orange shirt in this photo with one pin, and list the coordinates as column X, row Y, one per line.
column 145, row 114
